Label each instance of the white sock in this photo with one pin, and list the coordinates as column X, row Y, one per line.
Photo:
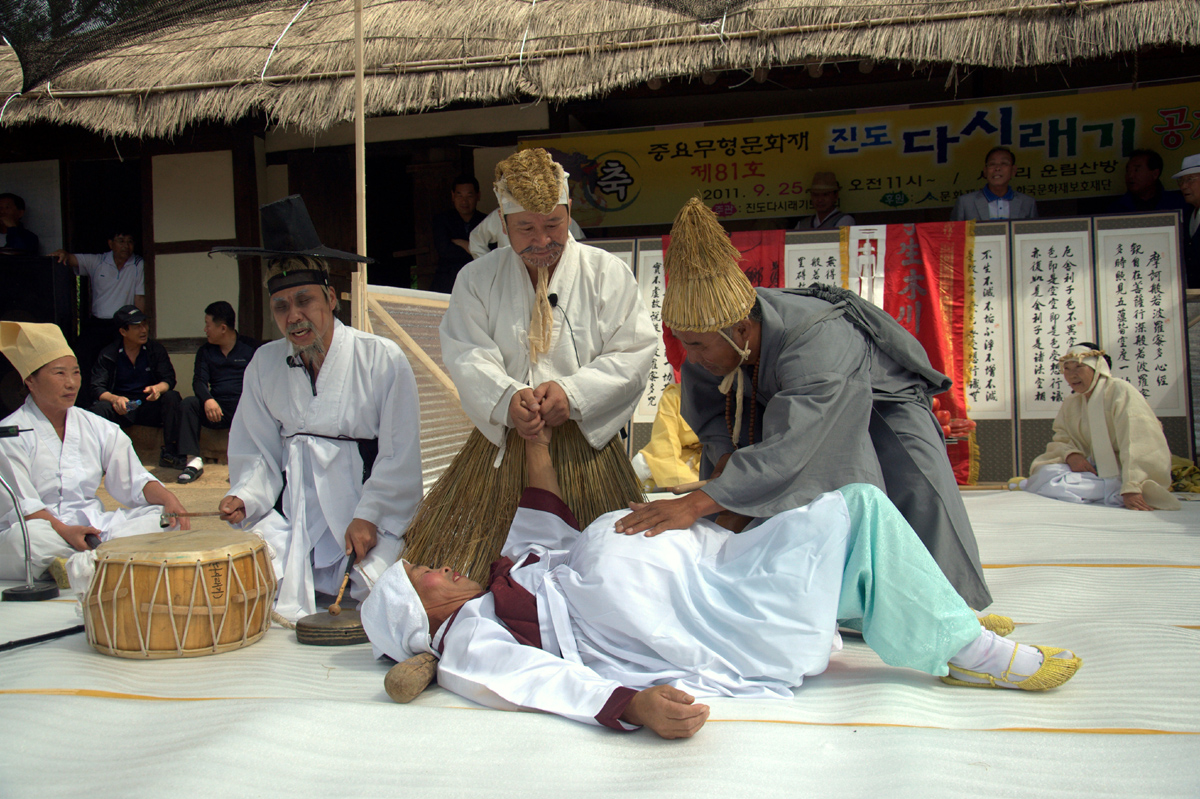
column 196, row 462
column 991, row 654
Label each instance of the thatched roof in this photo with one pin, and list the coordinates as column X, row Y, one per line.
column 427, row 54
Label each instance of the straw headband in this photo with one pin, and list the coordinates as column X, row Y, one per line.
column 530, row 180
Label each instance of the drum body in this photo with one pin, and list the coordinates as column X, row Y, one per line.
column 179, row 594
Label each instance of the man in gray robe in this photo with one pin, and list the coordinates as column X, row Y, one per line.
column 836, row 392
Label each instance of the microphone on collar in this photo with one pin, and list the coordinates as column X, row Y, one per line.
column 553, row 300
column 295, row 361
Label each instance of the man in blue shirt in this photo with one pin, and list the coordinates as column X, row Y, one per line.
column 997, row 199
column 216, row 383
column 133, row 381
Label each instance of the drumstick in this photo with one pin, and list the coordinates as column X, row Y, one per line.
column 164, row 520
column 687, row 488
column 336, row 607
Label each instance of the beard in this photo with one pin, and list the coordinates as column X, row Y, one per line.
column 313, row 354
column 539, row 257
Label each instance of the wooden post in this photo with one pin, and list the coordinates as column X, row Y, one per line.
column 358, row 285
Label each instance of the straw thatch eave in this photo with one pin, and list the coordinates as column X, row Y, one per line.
column 427, row 54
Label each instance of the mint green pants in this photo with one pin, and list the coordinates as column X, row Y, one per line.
column 894, row 592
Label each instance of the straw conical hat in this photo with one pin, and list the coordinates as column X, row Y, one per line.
column 706, row 289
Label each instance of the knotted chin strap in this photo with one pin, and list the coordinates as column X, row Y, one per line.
column 727, row 382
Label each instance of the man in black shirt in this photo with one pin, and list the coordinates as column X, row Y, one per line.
column 452, row 232
column 133, row 381
column 217, row 385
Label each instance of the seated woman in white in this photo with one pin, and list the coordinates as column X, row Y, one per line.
column 1108, row 445
column 56, row 461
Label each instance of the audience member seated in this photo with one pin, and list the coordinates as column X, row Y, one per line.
column 133, row 381
column 824, row 194
column 1143, row 189
column 57, row 462
column 452, row 232
column 216, row 383
column 997, row 199
column 14, row 238
column 1108, row 446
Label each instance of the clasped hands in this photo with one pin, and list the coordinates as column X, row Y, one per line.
column 531, row 409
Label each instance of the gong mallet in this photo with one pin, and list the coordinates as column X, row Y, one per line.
column 336, row 607
column 335, row 627
column 167, row 519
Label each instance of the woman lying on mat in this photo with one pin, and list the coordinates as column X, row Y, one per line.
column 624, row 631
column 1108, row 445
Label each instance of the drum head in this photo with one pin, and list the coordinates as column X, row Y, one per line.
column 178, row 545
column 322, row 629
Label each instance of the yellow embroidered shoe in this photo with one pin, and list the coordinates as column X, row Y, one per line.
column 1000, row 625
column 1058, row 666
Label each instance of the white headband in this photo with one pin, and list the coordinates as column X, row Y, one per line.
column 1102, row 449
column 394, row 617
column 509, row 204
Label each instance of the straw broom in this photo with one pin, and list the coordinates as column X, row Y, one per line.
column 464, row 520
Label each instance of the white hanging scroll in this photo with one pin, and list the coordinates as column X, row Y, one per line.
column 651, row 279
column 1054, row 303
column 1141, row 321
column 990, row 392
column 812, row 258
column 867, row 247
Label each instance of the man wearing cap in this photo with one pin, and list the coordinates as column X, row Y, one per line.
column 824, row 194
column 118, row 279
column 1189, row 186
column 324, row 452
column 830, row 390
column 134, row 383
column 57, row 461
column 997, row 199
column 1108, row 445
column 544, row 332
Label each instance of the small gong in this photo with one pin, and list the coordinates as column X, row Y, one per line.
column 323, row 629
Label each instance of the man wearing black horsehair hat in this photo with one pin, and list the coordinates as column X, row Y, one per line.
column 324, row 452
column 798, row 392
column 546, row 331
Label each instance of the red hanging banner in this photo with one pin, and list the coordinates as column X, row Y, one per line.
column 927, row 289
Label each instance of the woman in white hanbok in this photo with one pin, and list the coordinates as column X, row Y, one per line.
column 58, row 458
column 1108, row 445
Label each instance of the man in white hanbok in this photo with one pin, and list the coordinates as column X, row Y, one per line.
column 547, row 332
column 1108, row 445
column 623, row 631
column 56, row 462
column 324, row 452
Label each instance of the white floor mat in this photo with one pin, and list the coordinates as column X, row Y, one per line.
column 278, row 718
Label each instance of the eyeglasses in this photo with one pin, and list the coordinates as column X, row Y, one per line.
column 1186, row 179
